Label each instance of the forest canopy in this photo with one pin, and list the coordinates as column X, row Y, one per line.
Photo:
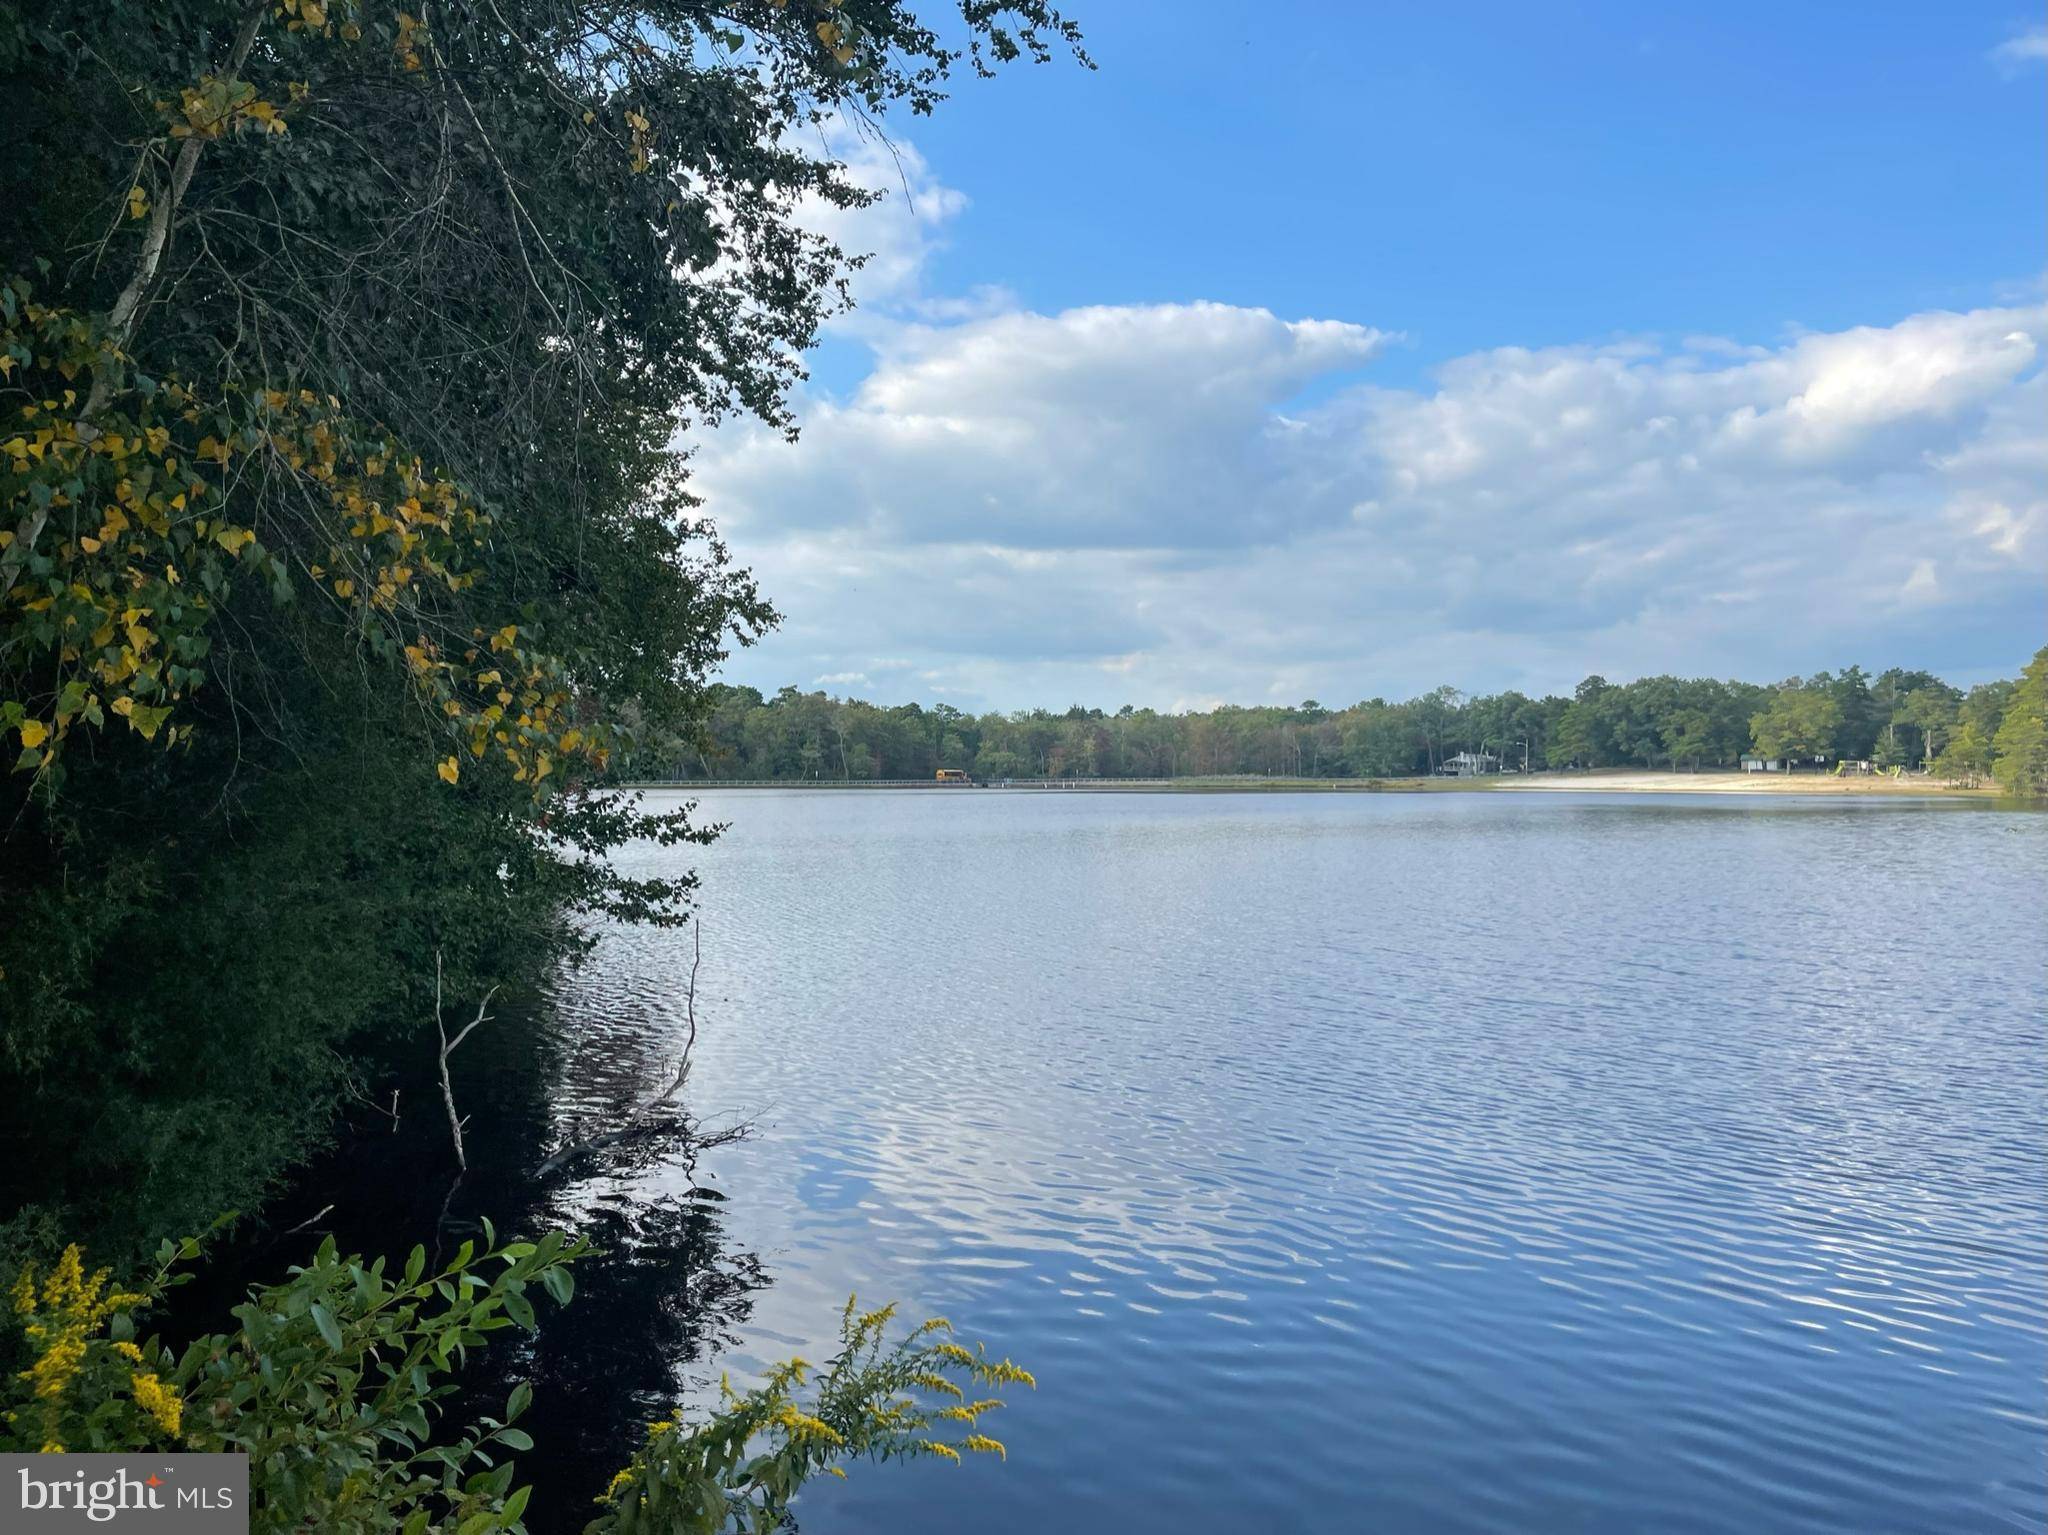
column 1895, row 719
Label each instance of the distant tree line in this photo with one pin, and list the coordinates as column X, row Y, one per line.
column 1910, row 720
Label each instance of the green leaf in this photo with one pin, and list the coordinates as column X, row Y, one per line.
column 329, row 1328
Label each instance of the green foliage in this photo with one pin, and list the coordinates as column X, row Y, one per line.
column 346, row 540
column 2021, row 747
column 329, row 1382
column 1654, row 721
column 1966, row 760
column 741, row 1468
column 1900, row 718
column 1798, row 724
column 335, row 1381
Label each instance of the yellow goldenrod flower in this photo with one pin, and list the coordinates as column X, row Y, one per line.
column 159, row 1401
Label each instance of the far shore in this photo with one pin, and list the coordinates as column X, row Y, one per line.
column 1629, row 781
column 1599, row 781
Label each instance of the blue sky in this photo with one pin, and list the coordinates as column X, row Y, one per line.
column 1594, row 337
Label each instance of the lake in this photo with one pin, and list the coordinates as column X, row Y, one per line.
column 1450, row 1162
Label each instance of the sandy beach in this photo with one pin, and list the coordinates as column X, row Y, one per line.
column 1631, row 782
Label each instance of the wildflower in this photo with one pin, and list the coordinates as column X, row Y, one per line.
column 56, row 1366
column 159, row 1401
column 800, row 1425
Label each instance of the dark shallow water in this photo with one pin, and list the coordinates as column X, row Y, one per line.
column 1449, row 1162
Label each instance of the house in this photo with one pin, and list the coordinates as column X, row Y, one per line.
column 1469, row 765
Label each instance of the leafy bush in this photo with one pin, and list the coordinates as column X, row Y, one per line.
column 333, row 1381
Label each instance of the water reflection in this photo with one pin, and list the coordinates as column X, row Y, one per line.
column 1441, row 1163
column 663, row 1293
column 662, row 1296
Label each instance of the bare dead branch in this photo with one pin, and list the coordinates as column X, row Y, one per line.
column 455, row 1120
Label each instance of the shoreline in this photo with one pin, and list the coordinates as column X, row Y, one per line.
column 1603, row 781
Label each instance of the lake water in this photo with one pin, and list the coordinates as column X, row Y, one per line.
column 1450, row 1162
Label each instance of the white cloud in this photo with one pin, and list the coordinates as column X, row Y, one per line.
column 1132, row 503
column 896, row 235
column 2022, row 48
column 1120, row 427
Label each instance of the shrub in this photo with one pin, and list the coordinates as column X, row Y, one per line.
column 333, row 1383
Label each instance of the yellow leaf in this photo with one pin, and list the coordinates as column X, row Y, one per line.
column 34, row 732
column 138, row 202
column 450, row 770
column 344, row 588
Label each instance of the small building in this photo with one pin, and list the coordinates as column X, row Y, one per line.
column 1762, row 765
column 1469, row 765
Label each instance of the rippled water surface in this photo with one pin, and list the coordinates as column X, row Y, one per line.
column 1446, row 1162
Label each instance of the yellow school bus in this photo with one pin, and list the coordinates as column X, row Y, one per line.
column 952, row 775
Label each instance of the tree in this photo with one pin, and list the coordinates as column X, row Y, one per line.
column 1688, row 736
column 1798, row 723
column 1930, row 711
column 2020, row 761
column 1855, row 734
column 1984, row 707
column 1966, row 760
column 345, row 349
